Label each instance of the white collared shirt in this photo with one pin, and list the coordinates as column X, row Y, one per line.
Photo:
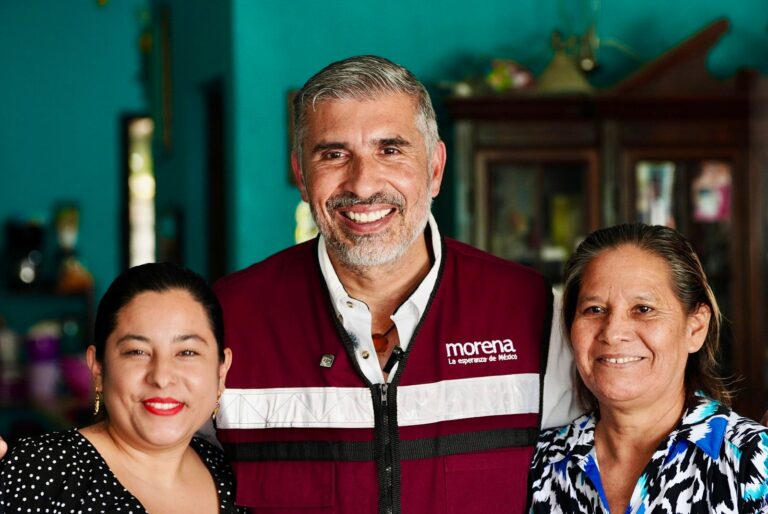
column 559, row 406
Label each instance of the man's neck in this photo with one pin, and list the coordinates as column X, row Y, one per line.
column 383, row 288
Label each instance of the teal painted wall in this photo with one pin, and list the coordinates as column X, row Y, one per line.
column 68, row 71
column 278, row 45
column 201, row 54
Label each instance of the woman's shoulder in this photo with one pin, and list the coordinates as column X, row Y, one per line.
column 745, row 445
column 552, row 470
column 213, row 457
column 211, row 454
column 712, row 425
column 743, row 431
column 555, row 443
column 55, row 448
column 47, row 470
column 715, row 428
column 745, row 452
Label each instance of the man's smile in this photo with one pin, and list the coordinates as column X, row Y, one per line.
column 367, row 217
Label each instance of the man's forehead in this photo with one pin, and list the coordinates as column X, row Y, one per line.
column 361, row 101
column 377, row 118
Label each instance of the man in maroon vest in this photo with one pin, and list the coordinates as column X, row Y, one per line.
column 382, row 368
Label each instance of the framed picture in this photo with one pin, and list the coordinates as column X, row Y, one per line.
column 654, row 185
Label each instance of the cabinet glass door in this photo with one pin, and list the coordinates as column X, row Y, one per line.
column 535, row 210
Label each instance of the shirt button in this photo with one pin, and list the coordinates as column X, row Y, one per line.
column 365, row 354
column 350, row 304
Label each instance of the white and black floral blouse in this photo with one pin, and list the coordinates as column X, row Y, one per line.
column 63, row 473
column 714, row 461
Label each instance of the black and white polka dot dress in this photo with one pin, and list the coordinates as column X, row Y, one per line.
column 62, row 473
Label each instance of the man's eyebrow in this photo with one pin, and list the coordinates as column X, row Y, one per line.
column 393, row 141
column 321, row 147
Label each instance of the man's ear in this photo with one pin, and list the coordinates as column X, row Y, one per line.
column 299, row 176
column 437, row 167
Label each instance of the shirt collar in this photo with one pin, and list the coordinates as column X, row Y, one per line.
column 703, row 424
column 419, row 299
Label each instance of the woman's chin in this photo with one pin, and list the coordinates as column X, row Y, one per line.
column 619, row 395
column 159, row 435
column 167, row 437
column 637, row 397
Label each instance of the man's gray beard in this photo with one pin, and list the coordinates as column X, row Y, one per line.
column 363, row 251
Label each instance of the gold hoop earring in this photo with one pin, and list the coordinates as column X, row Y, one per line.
column 216, row 408
column 97, row 403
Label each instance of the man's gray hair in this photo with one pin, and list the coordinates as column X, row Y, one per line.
column 363, row 77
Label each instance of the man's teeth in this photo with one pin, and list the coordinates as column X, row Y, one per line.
column 621, row 360
column 163, row 406
column 367, row 217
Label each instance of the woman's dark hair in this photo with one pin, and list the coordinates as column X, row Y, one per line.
column 689, row 284
column 156, row 277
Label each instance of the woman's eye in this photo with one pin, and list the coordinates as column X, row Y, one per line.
column 593, row 309
column 644, row 309
column 188, row 353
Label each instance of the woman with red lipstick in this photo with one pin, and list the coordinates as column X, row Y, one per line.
column 644, row 326
column 158, row 366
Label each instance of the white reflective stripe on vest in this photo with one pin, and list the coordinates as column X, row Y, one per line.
column 351, row 407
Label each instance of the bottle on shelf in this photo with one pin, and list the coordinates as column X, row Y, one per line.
column 43, row 371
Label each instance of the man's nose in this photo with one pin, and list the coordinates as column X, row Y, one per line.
column 364, row 177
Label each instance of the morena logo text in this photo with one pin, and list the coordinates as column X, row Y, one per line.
column 477, row 352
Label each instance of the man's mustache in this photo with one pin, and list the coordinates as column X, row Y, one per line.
column 348, row 199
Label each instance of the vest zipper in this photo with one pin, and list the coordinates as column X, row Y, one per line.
column 386, row 451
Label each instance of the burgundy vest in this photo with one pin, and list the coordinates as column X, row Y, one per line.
column 452, row 433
